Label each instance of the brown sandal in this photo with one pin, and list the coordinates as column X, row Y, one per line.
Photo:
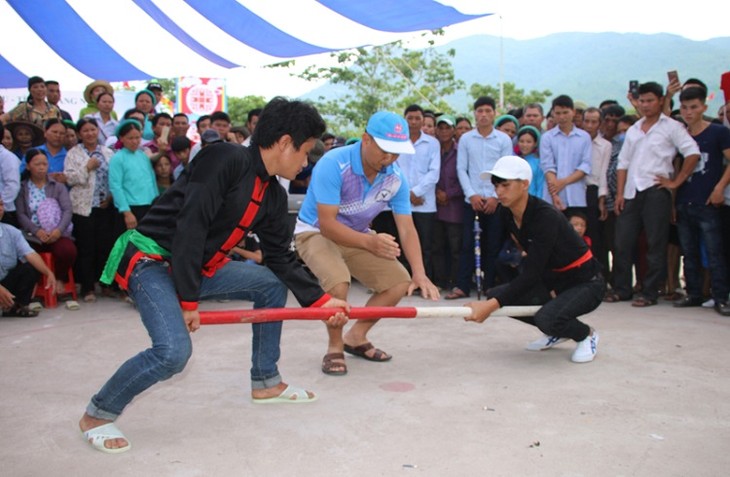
column 611, row 297
column 20, row 312
column 455, row 294
column 379, row 355
column 329, row 366
column 643, row 302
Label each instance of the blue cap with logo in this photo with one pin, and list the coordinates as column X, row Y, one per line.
column 390, row 132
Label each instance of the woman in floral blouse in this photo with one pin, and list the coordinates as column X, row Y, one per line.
column 44, row 214
column 87, row 173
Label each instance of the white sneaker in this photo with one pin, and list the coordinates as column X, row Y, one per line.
column 709, row 303
column 586, row 349
column 546, row 342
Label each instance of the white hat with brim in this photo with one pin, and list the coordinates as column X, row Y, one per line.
column 509, row 168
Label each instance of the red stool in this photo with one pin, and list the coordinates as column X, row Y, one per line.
column 48, row 295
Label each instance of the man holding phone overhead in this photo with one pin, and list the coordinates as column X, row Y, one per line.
column 634, row 89
column 644, row 184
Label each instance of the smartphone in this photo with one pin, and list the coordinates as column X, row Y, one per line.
column 634, row 88
column 673, row 76
column 165, row 133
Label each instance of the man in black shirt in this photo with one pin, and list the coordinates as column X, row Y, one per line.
column 558, row 270
column 178, row 255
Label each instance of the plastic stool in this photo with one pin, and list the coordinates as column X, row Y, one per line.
column 49, row 297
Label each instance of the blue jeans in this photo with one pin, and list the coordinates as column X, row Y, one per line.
column 151, row 286
column 695, row 222
column 491, row 241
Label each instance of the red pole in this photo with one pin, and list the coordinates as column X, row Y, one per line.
column 278, row 314
column 356, row 313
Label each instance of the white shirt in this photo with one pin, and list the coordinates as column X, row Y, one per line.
column 648, row 155
column 9, row 178
column 195, row 150
column 422, row 170
column 600, row 157
column 106, row 129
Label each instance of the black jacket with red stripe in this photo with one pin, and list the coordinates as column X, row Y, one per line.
column 210, row 208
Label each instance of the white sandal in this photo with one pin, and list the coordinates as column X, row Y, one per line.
column 99, row 435
column 290, row 395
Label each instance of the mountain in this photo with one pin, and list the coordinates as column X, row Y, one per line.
column 590, row 67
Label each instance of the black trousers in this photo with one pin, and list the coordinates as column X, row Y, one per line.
column 94, row 240
column 10, row 218
column 20, row 282
column 425, row 223
column 559, row 316
column 651, row 208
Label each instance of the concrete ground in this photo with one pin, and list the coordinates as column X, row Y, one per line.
column 457, row 399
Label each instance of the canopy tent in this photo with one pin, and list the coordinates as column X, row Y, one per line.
column 77, row 41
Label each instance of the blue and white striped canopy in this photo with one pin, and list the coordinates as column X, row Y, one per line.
column 120, row 40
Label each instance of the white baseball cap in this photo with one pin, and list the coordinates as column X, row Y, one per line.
column 509, row 167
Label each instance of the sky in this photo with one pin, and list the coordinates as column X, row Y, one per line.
column 524, row 20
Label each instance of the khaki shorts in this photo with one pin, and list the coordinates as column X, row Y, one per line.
column 333, row 264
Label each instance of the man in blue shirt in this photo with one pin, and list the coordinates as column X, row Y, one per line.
column 19, row 268
column 565, row 158
column 478, row 151
column 350, row 185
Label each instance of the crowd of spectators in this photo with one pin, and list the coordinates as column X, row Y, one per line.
column 646, row 183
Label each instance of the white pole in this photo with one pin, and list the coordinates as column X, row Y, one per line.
column 464, row 311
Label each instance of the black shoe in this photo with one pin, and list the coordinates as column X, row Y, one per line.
column 722, row 308
column 688, row 301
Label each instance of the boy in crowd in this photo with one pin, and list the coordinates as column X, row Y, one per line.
column 698, row 204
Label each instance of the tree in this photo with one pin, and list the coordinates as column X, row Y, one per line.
column 169, row 88
column 513, row 97
column 238, row 108
column 387, row 77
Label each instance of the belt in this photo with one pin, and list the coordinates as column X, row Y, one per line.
column 577, row 263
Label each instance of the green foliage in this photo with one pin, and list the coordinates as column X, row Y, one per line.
column 513, row 97
column 238, row 108
column 169, row 88
column 387, row 77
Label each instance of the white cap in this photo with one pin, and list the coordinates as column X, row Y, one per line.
column 509, row 167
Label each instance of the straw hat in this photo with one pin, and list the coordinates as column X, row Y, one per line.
column 38, row 135
column 94, row 85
